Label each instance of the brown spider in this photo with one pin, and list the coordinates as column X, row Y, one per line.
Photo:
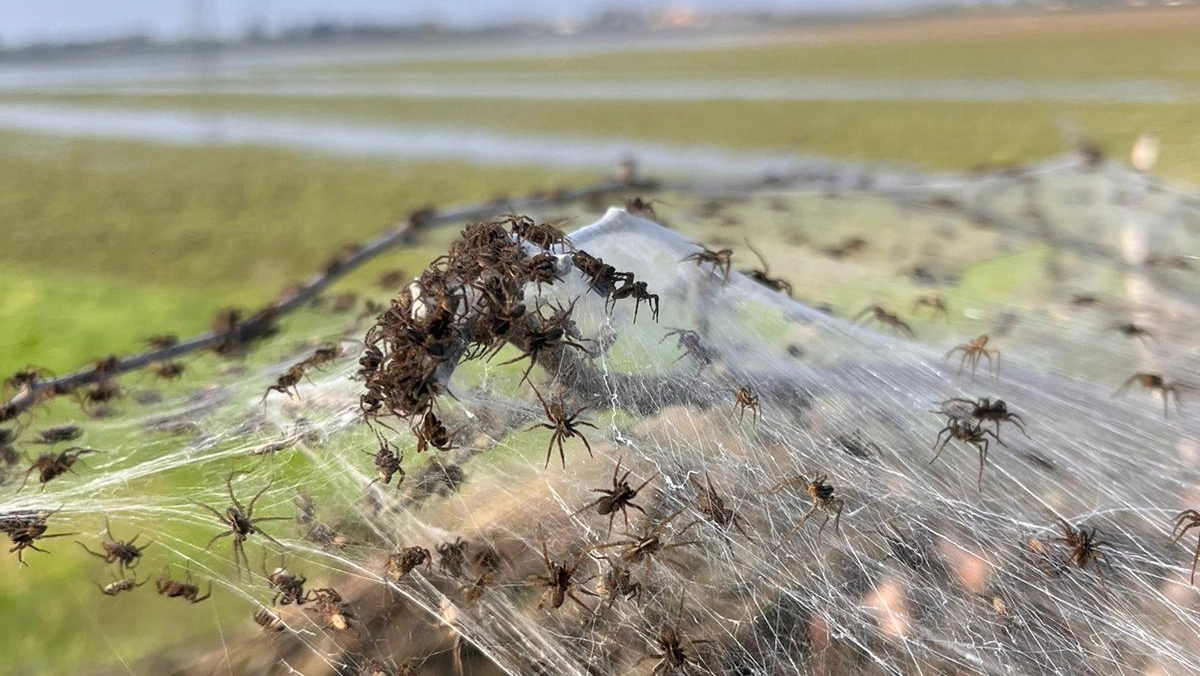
column 120, row 584
column 288, row 588
column 59, row 433
column 387, row 464
column 881, row 315
column 721, row 260
column 541, row 235
column 169, row 370
column 161, row 341
column 712, row 506
column 560, row 583
column 25, row 379
column 241, row 522
column 324, row 355
column 745, row 399
column 1085, row 548
column 473, row 590
column 330, row 608
column 564, row 427
column 50, row 466
column 1153, row 381
column 618, row 498
column 26, row 528
column 763, row 276
column 963, row 430
column 549, row 333
column 646, row 544
column 185, row 590
column 640, row 207
column 1185, row 521
column 126, row 554
column 1131, row 330
column 689, row 342
column 431, row 432
column 821, row 492
column 452, row 556
column 972, row 352
column 268, row 621
column 402, row 562
column 675, row 649
column 986, row 410
column 287, row 383
column 935, row 303
column 617, row 582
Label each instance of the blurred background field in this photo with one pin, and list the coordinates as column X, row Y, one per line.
column 142, row 191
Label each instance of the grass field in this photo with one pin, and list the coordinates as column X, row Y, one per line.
column 109, row 242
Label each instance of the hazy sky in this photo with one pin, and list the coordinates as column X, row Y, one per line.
column 24, row 21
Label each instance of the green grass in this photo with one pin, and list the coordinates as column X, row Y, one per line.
column 104, row 242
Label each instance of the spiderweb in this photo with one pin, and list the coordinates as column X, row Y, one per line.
column 926, row 568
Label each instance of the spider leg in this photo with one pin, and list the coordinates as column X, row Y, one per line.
column 961, row 362
column 952, row 351
column 983, row 451
column 997, row 361
column 1125, row 385
column 988, row 355
column 85, row 548
column 800, row 523
column 215, row 512
column 562, row 454
column 267, row 535
column 216, row 537
column 822, row 528
column 940, row 445
column 250, row 508
column 206, row 594
column 1195, row 560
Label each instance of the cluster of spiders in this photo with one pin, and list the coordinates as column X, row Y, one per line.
column 469, row 304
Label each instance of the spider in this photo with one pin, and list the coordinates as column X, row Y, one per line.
column 541, row 235
column 287, row 383
column 452, row 556
column 186, row 590
column 619, row 497
column 50, row 466
column 26, row 528
column 120, row 584
column 402, row 562
column 689, row 342
column 640, row 207
column 1153, row 381
column 822, row 495
column 1085, row 548
column 639, row 292
column 548, row 334
column 745, row 399
column 387, row 464
column 712, row 506
column 161, row 341
column 617, row 582
column 559, row 583
column 564, row 427
column 268, row 621
column 647, row 543
column 25, row 379
column 431, row 432
column 986, row 409
column 721, row 260
column 126, row 554
column 330, row 608
column 1131, row 330
column 59, row 433
column 675, row 649
column 881, row 315
column 169, row 370
column 935, row 303
column 974, row 435
column 241, row 522
column 288, row 588
column 972, row 352
column 1185, row 521
column 324, row 355
column 763, row 276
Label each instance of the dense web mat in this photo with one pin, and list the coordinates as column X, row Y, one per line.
column 791, row 517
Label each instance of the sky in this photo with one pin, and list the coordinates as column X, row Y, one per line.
column 26, row 21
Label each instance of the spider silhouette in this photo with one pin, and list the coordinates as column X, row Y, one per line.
column 564, row 427
column 241, row 522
